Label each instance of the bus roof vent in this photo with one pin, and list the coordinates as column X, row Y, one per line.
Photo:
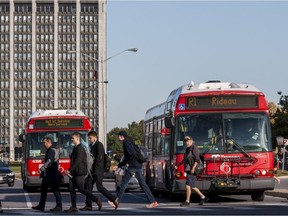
column 213, row 81
column 234, row 85
column 68, row 112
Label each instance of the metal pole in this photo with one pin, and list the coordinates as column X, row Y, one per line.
column 283, row 159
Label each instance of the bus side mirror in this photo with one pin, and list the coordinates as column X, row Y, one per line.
column 169, row 122
column 22, row 137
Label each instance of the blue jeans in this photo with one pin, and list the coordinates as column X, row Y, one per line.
column 139, row 176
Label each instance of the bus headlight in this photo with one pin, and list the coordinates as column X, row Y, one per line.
column 263, row 172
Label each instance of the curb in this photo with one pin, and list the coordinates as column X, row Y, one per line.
column 277, row 193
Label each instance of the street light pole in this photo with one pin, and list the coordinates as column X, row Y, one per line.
column 102, row 94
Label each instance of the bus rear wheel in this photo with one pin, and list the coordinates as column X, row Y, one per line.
column 258, row 196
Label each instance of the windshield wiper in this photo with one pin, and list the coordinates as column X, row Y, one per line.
column 239, row 147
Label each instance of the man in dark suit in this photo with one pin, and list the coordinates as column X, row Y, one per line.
column 78, row 172
column 50, row 177
column 98, row 152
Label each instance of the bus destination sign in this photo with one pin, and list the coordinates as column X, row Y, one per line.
column 58, row 123
column 221, row 102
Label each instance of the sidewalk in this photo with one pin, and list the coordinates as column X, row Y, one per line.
column 280, row 190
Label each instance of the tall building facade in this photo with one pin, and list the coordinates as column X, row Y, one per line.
column 49, row 51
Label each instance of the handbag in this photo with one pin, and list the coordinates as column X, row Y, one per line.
column 199, row 168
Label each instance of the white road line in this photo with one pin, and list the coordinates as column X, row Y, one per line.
column 28, row 200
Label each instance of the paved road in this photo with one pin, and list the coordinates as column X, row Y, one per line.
column 18, row 202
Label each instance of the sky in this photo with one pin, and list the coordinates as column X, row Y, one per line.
column 183, row 41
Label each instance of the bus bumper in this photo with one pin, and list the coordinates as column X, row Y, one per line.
column 243, row 186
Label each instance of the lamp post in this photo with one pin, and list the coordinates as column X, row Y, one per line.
column 102, row 94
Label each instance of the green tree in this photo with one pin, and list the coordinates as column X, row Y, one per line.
column 134, row 130
column 280, row 126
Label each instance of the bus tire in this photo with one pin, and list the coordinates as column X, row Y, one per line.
column 258, row 196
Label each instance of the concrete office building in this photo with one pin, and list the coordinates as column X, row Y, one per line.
column 48, row 58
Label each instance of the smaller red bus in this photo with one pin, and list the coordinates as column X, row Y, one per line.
column 58, row 125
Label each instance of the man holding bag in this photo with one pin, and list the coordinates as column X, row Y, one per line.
column 190, row 161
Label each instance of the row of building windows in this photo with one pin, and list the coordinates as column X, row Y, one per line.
column 89, row 37
column 4, row 56
column 45, row 66
column 89, row 28
column 45, row 28
column 23, row 103
column 67, row 28
column 45, row 93
column 23, row 46
column 67, row 94
column 4, row 121
column 66, row 56
column 4, row 102
column 4, row 37
column 4, row 93
column 23, row 37
column 23, row 84
column 23, row 74
column 4, row 75
column 23, row 19
column 67, row 19
column 47, row 47
column 45, row 84
column 67, row 75
column 45, row 37
column 44, row 19
column 22, row 65
column 4, row 8
column 23, row 56
column 45, row 56
column 4, row 84
column 67, row 37
column 23, row 7
column 4, row 28
column 45, row 75
column 23, row 93
column 4, row 65
column 23, row 28
column 67, row 66
column 4, row 19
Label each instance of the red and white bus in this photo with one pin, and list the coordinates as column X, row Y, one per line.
column 229, row 123
column 58, row 125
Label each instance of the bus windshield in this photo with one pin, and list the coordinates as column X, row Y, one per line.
column 61, row 140
column 224, row 132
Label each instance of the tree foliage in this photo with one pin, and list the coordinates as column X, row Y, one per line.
column 280, row 117
column 134, row 130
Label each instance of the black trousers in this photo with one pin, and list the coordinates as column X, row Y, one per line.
column 98, row 179
column 79, row 182
column 54, row 188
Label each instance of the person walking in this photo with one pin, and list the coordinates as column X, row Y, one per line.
column 78, row 172
column 134, row 169
column 190, row 161
column 98, row 152
column 50, row 177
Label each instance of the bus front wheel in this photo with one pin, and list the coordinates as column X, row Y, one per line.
column 258, row 196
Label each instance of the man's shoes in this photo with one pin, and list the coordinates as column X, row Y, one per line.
column 204, row 200
column 56, row 209
column 152, row 205
column 185, row 204
column 40, row 208
column 99, row 203
column 71, row 209
column 86, row 208
column 116, row 204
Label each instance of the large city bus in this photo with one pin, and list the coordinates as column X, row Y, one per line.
column 58, row 125
column 229, row 123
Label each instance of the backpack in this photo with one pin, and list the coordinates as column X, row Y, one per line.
column 89, row 160
column 107, row 163
column 199, row 169
column 141, row 153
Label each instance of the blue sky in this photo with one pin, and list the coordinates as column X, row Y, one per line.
column 180, row 41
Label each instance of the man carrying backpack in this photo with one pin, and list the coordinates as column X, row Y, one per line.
column 134, row 168
column 97, row 173
column 78, row 172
